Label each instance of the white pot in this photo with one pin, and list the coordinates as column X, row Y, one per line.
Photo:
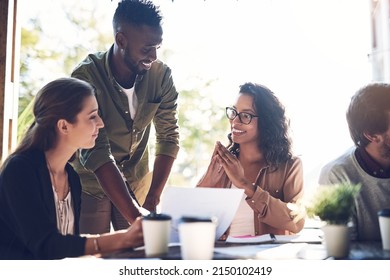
column 337, row 240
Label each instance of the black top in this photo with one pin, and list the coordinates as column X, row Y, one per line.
column 28, row 225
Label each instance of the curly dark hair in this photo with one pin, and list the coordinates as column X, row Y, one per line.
column 274, row 138
column 136, row 12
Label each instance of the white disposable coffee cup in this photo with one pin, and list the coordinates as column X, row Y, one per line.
column 156, row 229
column 197, row 237
column 384, row 226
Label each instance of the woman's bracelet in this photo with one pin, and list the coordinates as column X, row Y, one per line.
column 96, row 244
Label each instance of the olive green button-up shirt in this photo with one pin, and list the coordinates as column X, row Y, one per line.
column 123, row 140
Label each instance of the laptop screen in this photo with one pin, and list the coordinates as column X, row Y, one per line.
column 217, row 203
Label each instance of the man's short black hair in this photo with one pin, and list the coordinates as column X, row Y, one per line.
column 136, row 12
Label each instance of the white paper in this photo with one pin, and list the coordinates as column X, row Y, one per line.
column 275, row 251
column 299, row 238
column 244, row 252
column 218, row 203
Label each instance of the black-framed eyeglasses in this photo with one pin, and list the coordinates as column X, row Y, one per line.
column 244, row 117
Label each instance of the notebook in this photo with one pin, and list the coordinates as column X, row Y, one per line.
column 306, row 236
column 218, row 203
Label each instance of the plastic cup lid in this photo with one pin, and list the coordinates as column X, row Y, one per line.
column 195, row 219
column 384, row 213
column 153, row 216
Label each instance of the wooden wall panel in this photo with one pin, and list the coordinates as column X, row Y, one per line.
column 3, row 58
column 9, row 75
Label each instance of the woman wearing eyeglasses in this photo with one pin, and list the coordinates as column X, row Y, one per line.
column 259, row 160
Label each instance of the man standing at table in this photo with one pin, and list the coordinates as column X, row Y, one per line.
column 133, row 90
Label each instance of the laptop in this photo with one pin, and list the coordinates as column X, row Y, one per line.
column 218, row 203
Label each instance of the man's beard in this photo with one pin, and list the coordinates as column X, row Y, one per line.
column 385, row 148
column 133, row 66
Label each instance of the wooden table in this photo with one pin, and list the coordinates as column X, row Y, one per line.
column 368, row 251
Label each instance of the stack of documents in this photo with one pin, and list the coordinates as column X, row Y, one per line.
column 276, row 239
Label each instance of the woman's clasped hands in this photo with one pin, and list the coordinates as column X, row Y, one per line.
column 233, row 168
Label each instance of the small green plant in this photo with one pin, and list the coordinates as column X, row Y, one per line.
column 333, row 204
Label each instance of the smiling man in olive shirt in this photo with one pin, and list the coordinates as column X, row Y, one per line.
column 133, row 90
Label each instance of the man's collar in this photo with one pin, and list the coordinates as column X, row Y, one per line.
column 369, row 165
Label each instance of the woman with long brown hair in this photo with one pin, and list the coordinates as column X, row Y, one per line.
column 40, row 193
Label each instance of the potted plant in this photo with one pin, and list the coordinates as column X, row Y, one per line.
column 333, row 204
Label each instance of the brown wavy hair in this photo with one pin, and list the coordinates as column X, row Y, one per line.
column 60, row 99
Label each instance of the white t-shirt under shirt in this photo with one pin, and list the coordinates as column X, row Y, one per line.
column 243, row 221
column 132, row 99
